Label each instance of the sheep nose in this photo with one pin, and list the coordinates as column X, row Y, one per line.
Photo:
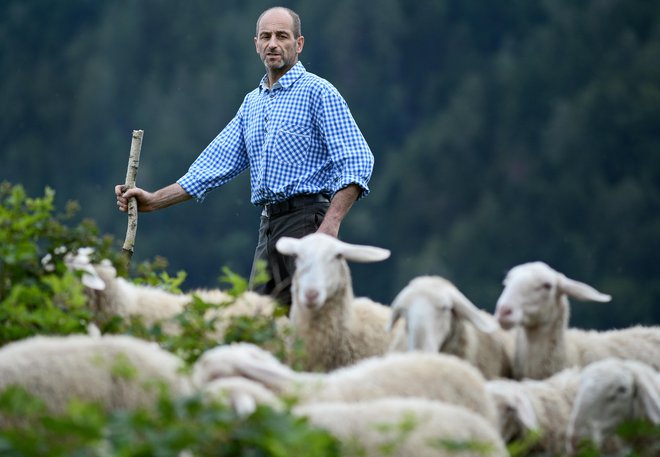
column 503, row 311
column 311, row 295
column 504, row 315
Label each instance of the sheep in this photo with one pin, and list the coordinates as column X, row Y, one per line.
column 110, row 295
column 248, row 303
column 117, row 371
column 439, row 317
column 405, row 427
column 535, row 410
column 611, row 392
column 411, row 374
column 535, row 299
column 335, row 328
column 115, row 296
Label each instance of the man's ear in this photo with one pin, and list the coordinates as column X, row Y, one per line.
column 256, row 48
column 300, row 42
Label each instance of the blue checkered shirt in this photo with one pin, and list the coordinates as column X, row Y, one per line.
column 298, row 137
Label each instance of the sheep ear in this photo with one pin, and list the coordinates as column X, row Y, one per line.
column 526, row 412
column 268, row 374
column 92, row 280
column 397, row 313
column 580, row 290
column 648, row 387
column 398, row 307
column 362, row 253
column 468, row 310
column 287, row 245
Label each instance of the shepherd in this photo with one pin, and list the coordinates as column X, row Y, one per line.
column 308, row 159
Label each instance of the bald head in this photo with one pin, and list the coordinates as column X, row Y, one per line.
column 295, row 19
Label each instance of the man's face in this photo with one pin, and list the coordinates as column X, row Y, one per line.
column 275, row 42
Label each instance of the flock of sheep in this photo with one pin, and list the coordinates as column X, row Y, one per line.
column 462, row 374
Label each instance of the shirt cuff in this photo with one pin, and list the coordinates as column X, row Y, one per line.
column 192, row 187
column 345, row 181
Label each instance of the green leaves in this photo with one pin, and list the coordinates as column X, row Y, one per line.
column 37, row 292
column 186, row 425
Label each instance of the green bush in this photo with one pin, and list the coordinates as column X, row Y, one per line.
column 189, row 425
column 37, row 292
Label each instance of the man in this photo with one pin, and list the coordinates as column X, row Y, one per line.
column 307, row 157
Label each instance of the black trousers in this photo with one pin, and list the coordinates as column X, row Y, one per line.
column 295, row 223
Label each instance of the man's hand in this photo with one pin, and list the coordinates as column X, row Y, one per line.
column 150, row 201
column 140, row 195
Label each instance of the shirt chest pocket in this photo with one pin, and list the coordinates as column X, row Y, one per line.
column 292, row 143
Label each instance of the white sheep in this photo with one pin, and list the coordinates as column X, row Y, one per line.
column 109, row 295
column 535, row 299
column 536, row 409
column 115, row 296
column 438, row 317
column 335, row 328
column 613, row 391
column 405, row 427
column 117, row 371
column 410, row 374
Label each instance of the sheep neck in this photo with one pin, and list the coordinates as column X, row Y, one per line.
column 324, row 330
column 541, row 350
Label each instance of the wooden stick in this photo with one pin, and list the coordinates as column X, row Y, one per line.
column 131, row 173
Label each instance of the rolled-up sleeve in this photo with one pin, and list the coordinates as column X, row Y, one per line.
column 349, row 152
column 222, row 160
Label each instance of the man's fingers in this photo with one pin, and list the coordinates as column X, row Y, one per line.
column 120, row 189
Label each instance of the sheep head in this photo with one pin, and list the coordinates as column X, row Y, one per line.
column 534, row 295
column 430, row 305
column 516, row 413
column 611, row 392
column 321, row 271
column 241, row 359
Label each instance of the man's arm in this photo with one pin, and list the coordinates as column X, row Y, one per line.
column 151, row 201
column 339, row 206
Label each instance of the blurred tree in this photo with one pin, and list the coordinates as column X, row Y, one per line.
column 503, row 132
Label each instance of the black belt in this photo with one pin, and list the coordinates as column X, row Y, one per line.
column 296, row 202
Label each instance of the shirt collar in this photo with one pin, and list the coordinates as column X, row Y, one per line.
column 286, row 80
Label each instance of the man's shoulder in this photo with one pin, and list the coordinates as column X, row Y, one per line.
column 313, row 82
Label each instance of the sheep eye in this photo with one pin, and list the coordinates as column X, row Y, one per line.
column 620, row 390
column 546, row 286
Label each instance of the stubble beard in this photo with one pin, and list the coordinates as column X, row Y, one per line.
column 275, row 66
